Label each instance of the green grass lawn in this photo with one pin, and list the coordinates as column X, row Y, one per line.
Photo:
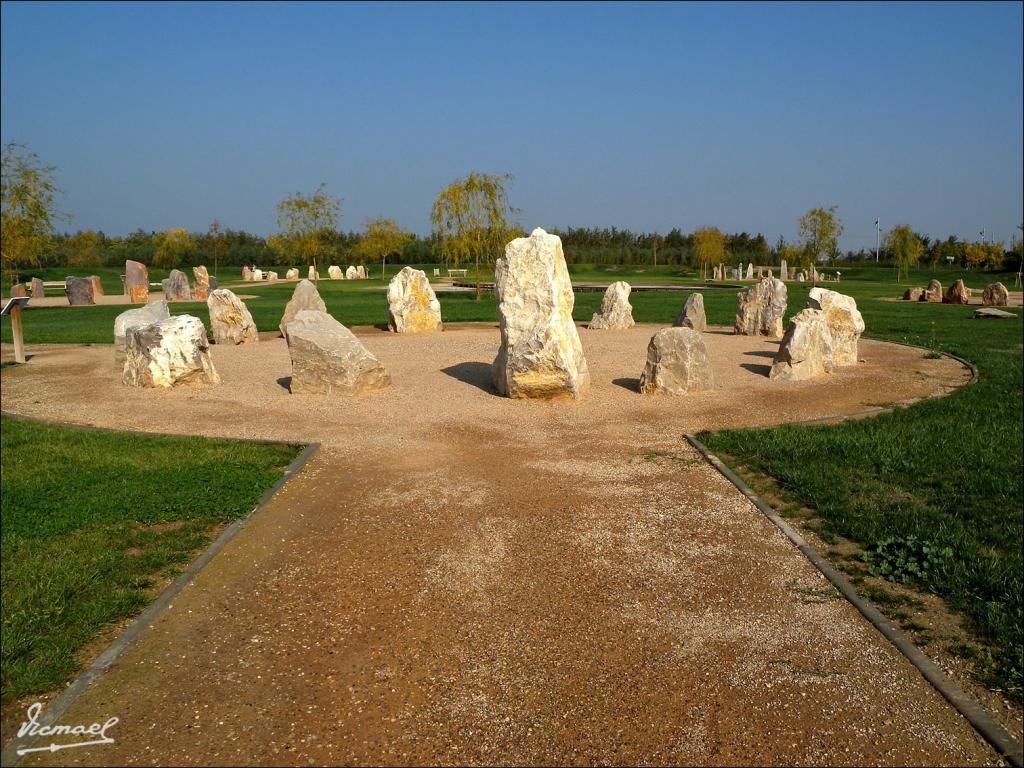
column 93, row 521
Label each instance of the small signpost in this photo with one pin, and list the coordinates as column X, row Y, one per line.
column 13, row 308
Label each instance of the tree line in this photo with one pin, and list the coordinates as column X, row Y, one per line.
column 472, row 219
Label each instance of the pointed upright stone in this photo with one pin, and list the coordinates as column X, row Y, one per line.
column 136, row 282
column 412, row 304
column 692, row 314
column 540, row 354
column 201, row 281
column 616, row 313
column 305, row 296
column 230, row 320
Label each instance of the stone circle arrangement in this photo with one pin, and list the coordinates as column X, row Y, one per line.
column 540, row 355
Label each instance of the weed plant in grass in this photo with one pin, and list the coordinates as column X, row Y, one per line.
column 92, row 520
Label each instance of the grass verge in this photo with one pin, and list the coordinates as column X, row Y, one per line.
column 93, row 522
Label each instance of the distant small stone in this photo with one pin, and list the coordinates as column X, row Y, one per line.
column 334, row 272
column 692, row 314
column 176, row 287
column 992, row 313
column 616, row 313
column 351, row 274
column 38, row 290
column 933, row 293
column 913, row 294
column 292, row 274
column 230, row 320
column 957, row 293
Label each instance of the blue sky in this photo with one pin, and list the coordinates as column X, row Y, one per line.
column 639, row 116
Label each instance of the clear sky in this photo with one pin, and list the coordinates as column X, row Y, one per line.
column 638, row 116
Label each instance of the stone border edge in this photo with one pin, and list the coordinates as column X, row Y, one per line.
column 63, row 701
column 993, row 733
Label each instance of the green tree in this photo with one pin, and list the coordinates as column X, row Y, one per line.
column 472, row 216
column 28, row 207
column 820, row 229
column 905, row 247
column 984, row 255
column 173, row 247
column 382, row 238
column 709, row 246
column 306, row 223
column 84, row 249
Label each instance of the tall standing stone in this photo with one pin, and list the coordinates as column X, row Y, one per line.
column 79, row 291
column 136, row 282
column 677, row 363
column 292, row 274
column 305, row 296
column 540, row 354
column 18, row 291
column 201, row 280
column 692, row 314
column 38, row 289
column 361, row 272
column 750, row 271
column 806, row 350
column 760, row 309
column 230, row 320
column 97, row 285
column 154, row 312
column 844, row 322
column 994, row 295
column 933, row 292
column 173, row 352
column 615, row 313
column 313, row 274
column 412, row 304
column 783, row 270
column 957, row 293
column 334, row 272
column 351, row 273
column 176, row 287
column 328, row 359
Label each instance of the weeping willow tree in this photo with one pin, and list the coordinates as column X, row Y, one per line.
column 28, row 208
column 306, row 221
column 906, row 248
column 472, row 216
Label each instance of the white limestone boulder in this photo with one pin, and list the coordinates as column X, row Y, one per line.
column 616, row 313
column 412, row 304
column 692, row 314
column 677, row 363
column 230, row 320
column 171, row 353
column 806, row 351
column 291, row 274
column 154, row 312
column 351, row 273
column 334, row 272
column 844, row 322
column 760, row 309
column 540, row 354
column 328, row 359
column 305, row 296
column 995, row 295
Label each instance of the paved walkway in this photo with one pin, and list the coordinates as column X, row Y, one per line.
column 459, row 578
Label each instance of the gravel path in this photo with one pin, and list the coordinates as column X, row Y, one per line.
column 461, row 578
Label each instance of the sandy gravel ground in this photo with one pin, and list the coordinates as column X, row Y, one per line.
column 461, row 578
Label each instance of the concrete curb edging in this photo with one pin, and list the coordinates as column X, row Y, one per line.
column 60, row 705
column 998, row 737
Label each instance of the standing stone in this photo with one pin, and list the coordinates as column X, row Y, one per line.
column 176, row 287
column 957, row 293
column 412, row 303
column 79, row 291
column 173, row 352
column 328, row 359
column 292, row 274
column 201, row 279
column 806, row 350
column 540, row 353
column 334, row 272
column 351, row 274
column 305, row 296
column 750, row 271
column 246, row 273
column 760, row 309
column 230, row 320
column 677, row 363
column 616, row 313
column 362, row 272
column 994, row 295
column 154, row 312
column 313, row 274
column 692, row 314
column 213, row 283
column 257, row 275
column 933, row 292
column 815, row 277
column 913, row 294
column 271, row 276
column 97, row 285
column 717, row 274
column 801, row 277
column 844, row 322
column 784, row 271
column 18, row 291
column 38, row 289
column 136, row 282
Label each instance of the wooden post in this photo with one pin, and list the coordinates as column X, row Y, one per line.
column 16, row 332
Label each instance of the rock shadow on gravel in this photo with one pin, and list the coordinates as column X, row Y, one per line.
column 474, row 373
column 286, row 382
column 760, row 370
column 628, row 382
